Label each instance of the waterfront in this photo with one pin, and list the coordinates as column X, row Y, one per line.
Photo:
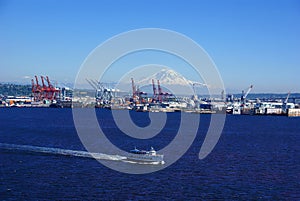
column 141, row 101
column 257, row 157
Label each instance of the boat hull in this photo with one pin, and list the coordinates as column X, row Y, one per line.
column 146, row 158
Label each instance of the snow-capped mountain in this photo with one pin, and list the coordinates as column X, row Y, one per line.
column 166, row 77
column 170, row 80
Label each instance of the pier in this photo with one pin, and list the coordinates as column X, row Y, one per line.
column 295, row 112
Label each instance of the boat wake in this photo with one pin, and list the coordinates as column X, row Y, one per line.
column 58, row 151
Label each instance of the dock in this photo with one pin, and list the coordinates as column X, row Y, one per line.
column 294, row 112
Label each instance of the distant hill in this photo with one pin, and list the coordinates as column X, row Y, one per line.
column 14, row 89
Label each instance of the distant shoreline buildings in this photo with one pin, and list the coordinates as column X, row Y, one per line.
column 46, row 95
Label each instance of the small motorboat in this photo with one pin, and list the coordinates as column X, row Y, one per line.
column 145, row 156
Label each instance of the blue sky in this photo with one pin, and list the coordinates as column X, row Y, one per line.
column 251, row 42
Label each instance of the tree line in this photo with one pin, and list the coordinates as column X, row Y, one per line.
column 14, row 89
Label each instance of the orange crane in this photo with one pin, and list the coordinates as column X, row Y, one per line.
column 162, row 95
column 34, row 90
column 45, row 89
column 32, row 85
column 52, row 91
column 136, row 93
column 38, row 90
column 38, row 87
column 43, row 92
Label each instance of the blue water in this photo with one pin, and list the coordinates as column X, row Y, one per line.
column 256, row 158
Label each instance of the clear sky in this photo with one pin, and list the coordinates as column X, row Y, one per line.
column 251, row 42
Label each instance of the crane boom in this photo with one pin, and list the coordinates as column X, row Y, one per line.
column 154, row 88
column 97, row 84
column 222, row 95
column 37, row 81
column 49, row 83
column 160, row 93
column 194, row 90
column 159, row 88
column 92, row 84
column 43, row 82
column 287, row 98
column 248, row 91
column 133, row 88
column 32, row 85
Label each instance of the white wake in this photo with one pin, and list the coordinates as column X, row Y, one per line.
column 58, row 151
